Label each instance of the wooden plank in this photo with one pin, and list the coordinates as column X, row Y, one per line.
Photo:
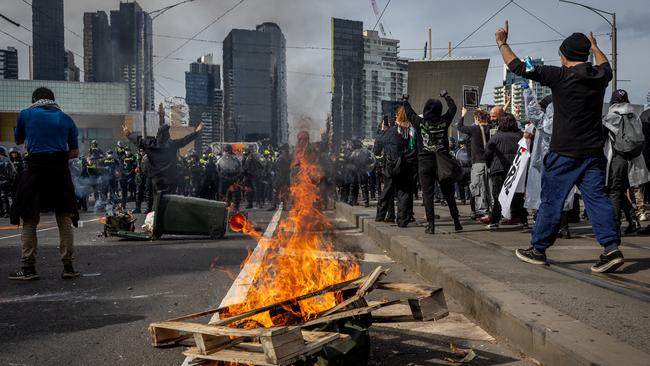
column 350, row 313
column 433, row 307
column 161, row 337
column 409, row 288
column 207, row 343
column 231, row 355
column 218, row 330
column 282, row 346
column 347, row 285
column 252, row 353
column 361, row 291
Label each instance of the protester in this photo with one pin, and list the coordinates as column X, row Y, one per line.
column 8, row 175
column 464, row 158
column 433, row 154
column 645, row 189
column 540, row 114
column 162, row 154
column 576, row 150
column 624, row 148
column 479, row 135
column 500, row 152
column 51, row 139
column 398, row 144
column 386, row 198
column 363, row 162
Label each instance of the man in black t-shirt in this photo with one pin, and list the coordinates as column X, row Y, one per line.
column 576, row 152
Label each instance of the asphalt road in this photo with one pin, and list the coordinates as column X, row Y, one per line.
column 101, row 318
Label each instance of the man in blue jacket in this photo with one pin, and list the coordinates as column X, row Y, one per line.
column 50, row 137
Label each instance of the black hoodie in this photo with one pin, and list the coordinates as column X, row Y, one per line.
column 162, row 151
column 433, row 127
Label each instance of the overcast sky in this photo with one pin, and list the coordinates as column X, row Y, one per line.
column 307, row 23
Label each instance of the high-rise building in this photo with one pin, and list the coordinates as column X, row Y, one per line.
column 279, row 113
column 254, row 79
column 48, row 40
column 347, row 81
column 201, row 82
column 511, row 89
column 9, row 63
column 98, row 61
column 176, row 111
column 132, row 53
column 71, row 71
column 385, row 78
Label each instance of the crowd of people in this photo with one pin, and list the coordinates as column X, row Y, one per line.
column 119, row 176
column 557, row 151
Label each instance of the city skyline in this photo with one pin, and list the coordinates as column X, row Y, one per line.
column 308, row 69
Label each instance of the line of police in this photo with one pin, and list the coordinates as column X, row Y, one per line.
column 120, row 176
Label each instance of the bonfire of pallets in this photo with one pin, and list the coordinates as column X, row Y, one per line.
column 284, row 345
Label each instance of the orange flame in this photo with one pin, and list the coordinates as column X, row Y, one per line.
column 292, row 262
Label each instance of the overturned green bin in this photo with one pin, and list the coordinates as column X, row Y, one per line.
column 180, row 215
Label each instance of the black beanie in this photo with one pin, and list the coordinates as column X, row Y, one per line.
column 576, row 47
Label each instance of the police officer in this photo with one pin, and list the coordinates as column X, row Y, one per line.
column 142, row 182
column 282, row 178
column 95, row 152
column 7, row 178
column 111, row 171
column 229, row 170
column 362, row 162
column 127, row 175
column 254, row 169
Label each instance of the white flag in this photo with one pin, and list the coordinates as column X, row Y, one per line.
column 515, row 181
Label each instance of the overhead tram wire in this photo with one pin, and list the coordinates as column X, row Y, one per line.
column 381, row 15
column 539, row 19
column 17, row 40
column 49, row 16
column 479, row 27
column 199, row 32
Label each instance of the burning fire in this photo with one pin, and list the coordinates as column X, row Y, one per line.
column 292, row 262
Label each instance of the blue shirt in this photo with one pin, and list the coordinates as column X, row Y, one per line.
column 46, row 130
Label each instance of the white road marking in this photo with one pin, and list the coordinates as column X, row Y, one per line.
column 81, row 222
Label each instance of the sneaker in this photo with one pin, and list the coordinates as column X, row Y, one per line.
column 69, row 272
column 608, row 262
column 492, row 226
column 643, row 217
column 531, row 256
column 390, row 220
column 25, row 274
column 485, row 219
column 632, row 228
column 458, row 226
column 430, row 230
column 564, row 233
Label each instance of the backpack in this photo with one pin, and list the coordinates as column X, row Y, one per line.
column 629, row 141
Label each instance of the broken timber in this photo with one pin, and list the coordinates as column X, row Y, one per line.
column 284, row 345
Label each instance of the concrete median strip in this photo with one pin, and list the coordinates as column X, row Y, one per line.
column 535, row 329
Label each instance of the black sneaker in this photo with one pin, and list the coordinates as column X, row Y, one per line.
column 530, row 256
column 458, row 226
column 608, row 262
column 25, row 274
column 69, row 272
column 431, row 229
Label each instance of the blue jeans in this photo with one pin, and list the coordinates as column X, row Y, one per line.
column 559, row 175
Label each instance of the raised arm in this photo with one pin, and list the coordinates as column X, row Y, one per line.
column 461, row 123
column 412, row 115
column 502, row 42
column 189, row 138
column 599, row 57
column 451, row 108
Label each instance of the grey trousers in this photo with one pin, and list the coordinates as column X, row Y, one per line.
column 479, row 187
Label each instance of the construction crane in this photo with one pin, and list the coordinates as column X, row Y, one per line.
column 375, row 8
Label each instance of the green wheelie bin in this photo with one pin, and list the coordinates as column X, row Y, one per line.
column 180, row 215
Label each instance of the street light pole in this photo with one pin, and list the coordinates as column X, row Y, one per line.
column 614, row 36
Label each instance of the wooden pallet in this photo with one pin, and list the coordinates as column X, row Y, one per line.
column 284, row 345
